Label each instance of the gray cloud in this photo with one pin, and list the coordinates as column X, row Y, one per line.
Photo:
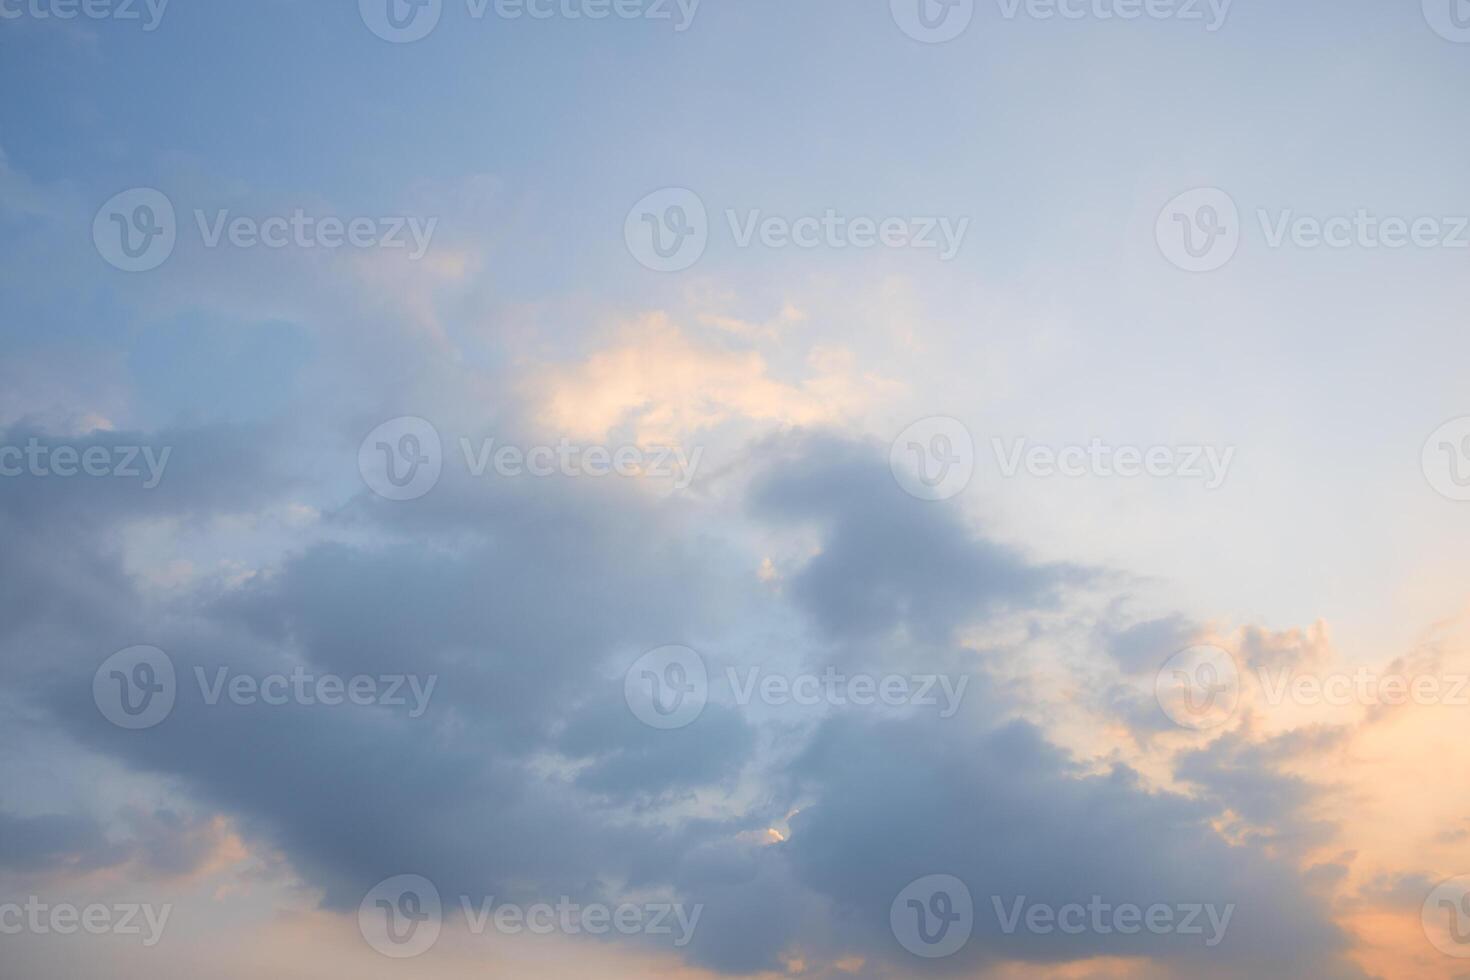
column 889, row 561
column 528, row 778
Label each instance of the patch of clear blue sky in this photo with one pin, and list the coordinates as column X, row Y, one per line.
column 1057, row 138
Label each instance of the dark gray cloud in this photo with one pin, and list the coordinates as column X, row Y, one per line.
column 56, row 842
column 159, row 842
column 1010, row 815
column 524, row 603
column 61, row 570
column 1147, row 645
column 627, row 758
column 528, row 779
column 516, row 595
column 887, row 560
column 1246, row 777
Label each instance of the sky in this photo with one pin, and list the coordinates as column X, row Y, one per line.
column 696, row 489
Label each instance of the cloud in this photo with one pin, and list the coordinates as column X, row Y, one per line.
column 1245, row 776
column 528, row 779
column 55, row 842
column 885, row 561
column 1009, row 814
column 665, row 384
column 159, row 843
column 1145, row 646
